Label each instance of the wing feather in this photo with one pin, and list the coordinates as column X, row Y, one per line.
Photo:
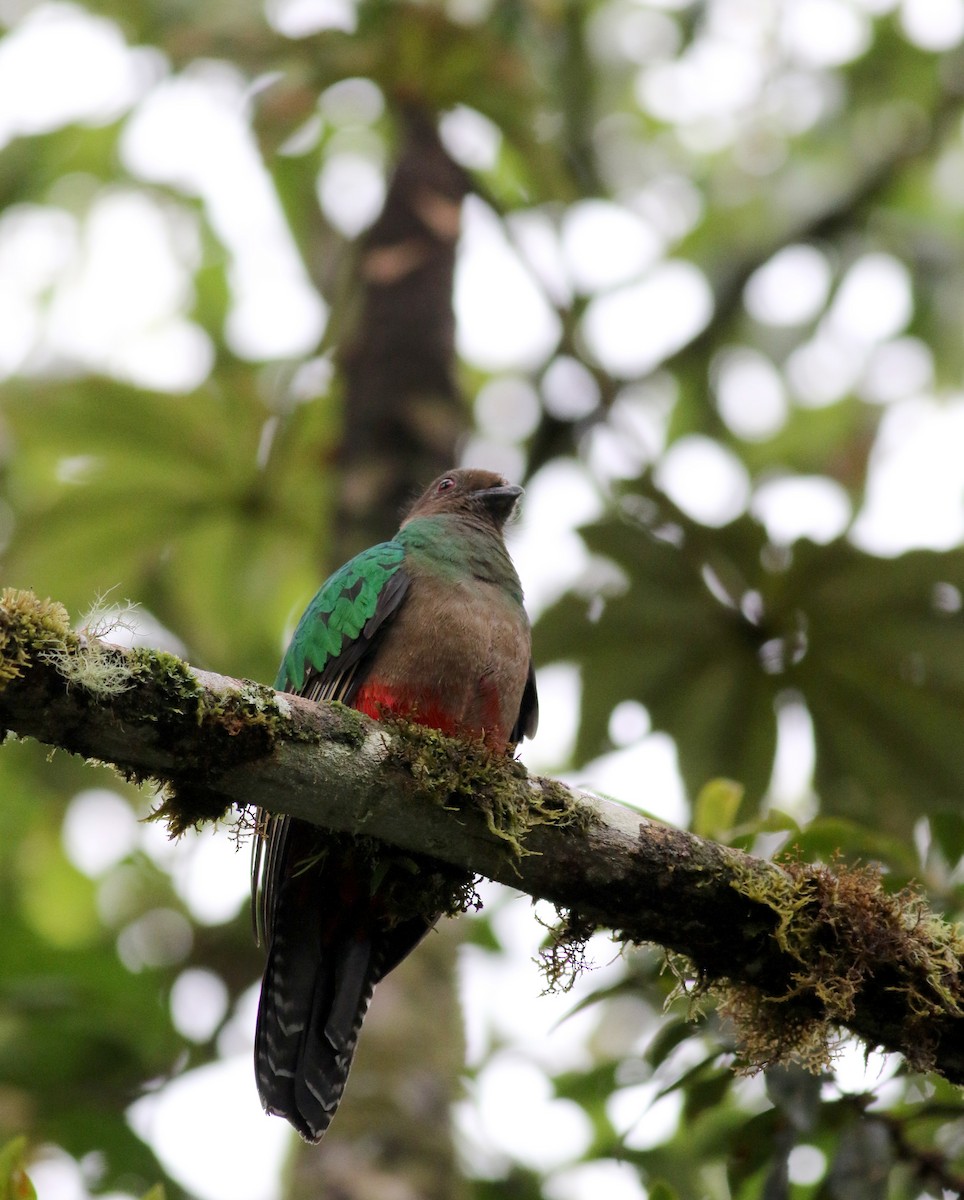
column 329, row 657
column 320, row 972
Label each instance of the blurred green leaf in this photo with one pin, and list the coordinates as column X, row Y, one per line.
column 14, row 1182
column 800, row 446
column 883, row 678
column 706, row 1092
column 589, row 1089
column 824, row 837
column 674, row 638
column 671, row 1033
column 947, row 829
column 717, row 804
column 659, row 1189
column 31, row 166
column 164, row 497
column 711, row 625
column 752, row 1148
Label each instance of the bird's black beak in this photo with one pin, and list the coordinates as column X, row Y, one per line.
column 499, row 501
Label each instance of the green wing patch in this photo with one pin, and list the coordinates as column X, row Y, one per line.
column 338, row 614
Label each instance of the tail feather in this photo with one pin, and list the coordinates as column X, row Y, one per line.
column 355, row 971
column 329, row 1039
column 311, row 1011
column 329, row 943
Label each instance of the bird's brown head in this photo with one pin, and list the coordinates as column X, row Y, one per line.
column 479, row 495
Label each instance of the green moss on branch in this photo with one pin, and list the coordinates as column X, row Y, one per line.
column 465, row 775
column 29, row 628
column 846, row 938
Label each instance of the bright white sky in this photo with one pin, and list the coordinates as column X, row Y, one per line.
column 121, row 283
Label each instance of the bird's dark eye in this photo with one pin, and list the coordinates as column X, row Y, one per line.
column 445, row 484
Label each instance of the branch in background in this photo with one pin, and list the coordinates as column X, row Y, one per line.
column 795, row 951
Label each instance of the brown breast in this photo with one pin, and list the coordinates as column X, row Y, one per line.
column 456, row 658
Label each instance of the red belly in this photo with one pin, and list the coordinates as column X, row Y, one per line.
column 378, row 699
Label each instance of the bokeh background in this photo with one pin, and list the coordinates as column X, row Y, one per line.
column 693, row 272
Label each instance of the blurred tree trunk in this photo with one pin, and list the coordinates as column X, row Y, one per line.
column 403, row 411
column 391, row 1139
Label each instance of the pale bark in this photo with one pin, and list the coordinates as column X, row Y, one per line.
column 218, row 742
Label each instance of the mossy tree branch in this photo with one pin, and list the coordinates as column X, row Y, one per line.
column 796, row 951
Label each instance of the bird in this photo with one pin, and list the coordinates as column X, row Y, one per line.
column 428, row 627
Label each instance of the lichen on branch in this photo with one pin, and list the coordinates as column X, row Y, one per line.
column 848, row 939
column 30, row 627
column 794, row 952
